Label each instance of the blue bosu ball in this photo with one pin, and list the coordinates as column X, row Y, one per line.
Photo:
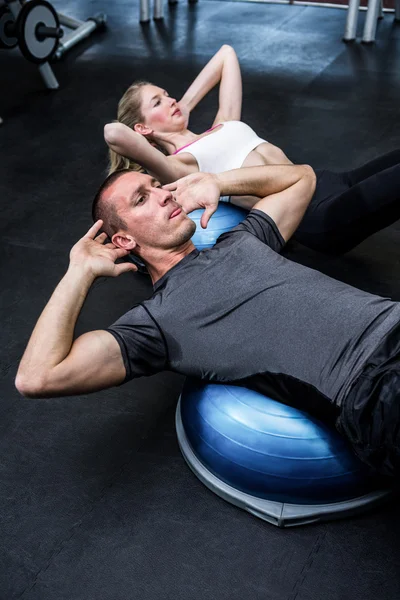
column 224, row 219
column 269, row 458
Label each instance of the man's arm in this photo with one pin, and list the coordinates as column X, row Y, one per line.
column 55, row 365
column 281, row 191
column 223, row 68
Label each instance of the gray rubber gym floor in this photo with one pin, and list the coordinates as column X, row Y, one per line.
column 96, row 500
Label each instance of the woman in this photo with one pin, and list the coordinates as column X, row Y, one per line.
column 152, row 128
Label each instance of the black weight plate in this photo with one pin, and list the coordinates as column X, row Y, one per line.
column 32, row 14
column 7, row 40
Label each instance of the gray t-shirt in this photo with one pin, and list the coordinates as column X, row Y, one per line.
column 240, row 311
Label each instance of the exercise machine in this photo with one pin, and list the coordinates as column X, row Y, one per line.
column 375, row 12
column 158, row 9
column 36, row 27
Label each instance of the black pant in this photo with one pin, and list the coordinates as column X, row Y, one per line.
column 350, row 206
column 370, row 414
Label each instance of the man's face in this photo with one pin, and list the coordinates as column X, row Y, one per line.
column 152, row 216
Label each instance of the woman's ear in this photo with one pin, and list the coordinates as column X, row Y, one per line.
column 142, row 129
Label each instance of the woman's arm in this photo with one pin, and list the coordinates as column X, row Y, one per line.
column 127, row 142
column 223, row 68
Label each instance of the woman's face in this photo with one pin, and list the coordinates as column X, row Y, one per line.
column 160, row 111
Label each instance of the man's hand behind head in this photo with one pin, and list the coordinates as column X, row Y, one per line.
column 96, row 258
column 198, row 190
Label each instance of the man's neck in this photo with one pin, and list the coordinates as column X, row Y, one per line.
column 162, row 261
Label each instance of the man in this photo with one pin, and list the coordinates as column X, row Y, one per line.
column 238, row 312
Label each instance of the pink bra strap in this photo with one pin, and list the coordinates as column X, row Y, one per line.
column 190, row 143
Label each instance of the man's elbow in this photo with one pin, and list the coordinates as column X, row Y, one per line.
column 310, row 177
column 30, row 386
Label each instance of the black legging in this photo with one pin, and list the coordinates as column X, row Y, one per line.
column 348, row 207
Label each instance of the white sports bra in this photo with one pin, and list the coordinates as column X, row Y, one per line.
column 224, row 149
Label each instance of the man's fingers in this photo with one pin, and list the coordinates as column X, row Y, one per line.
column 207, row 214
column 124, row 268
column 95, row 228
column 120, row 252
column 101, row 238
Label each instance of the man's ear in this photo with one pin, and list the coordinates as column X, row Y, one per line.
column 123, row 240
column 142, row 129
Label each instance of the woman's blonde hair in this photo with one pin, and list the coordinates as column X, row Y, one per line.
column 129, row 113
